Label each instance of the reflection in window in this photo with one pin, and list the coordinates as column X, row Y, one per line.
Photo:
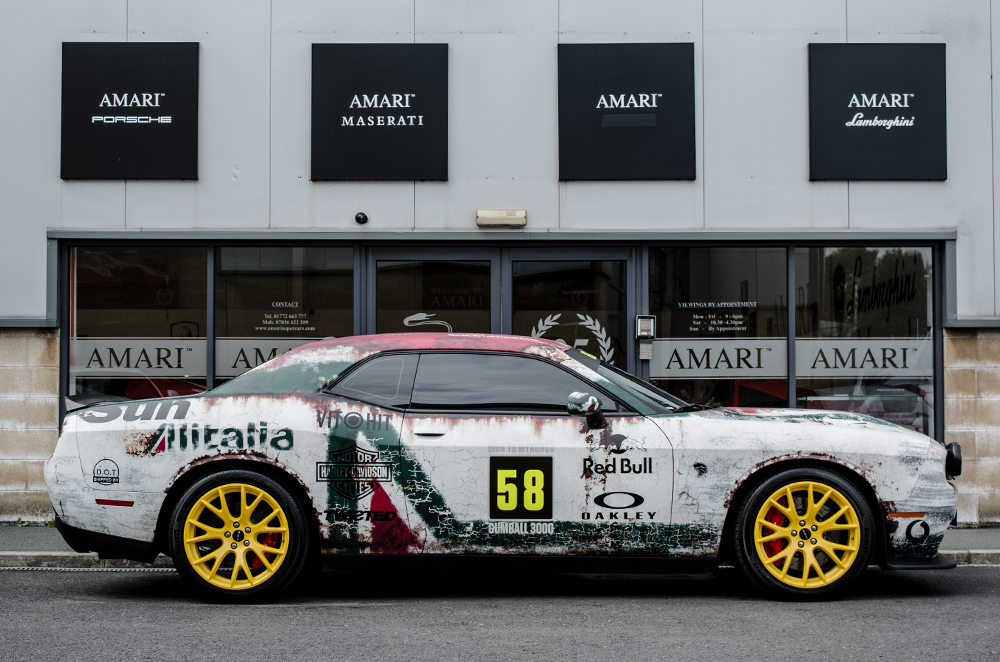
column 137, row 322
column 721, row 316
column 270, row 299
column 580, row 303
column 432, row 296
column 864, row 323
column 481, row 381
column 380, row 379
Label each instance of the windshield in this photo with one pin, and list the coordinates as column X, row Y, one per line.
column 659, row 400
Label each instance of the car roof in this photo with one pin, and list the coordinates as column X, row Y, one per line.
column 385, row 342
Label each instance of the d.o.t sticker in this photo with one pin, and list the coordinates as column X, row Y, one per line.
column 520, row 488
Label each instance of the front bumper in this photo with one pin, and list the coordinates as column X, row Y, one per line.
column 107, row 546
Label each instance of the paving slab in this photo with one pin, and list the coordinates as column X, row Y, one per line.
column 31, row 539
column 982, row 538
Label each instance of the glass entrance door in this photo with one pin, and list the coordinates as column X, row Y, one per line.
column 577, row 296
column 580, row 296
column 442, row 290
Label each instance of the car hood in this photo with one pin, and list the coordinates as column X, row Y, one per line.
column 800, row 416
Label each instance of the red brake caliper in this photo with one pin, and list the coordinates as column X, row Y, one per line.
column 774, row 515
column 271, row 540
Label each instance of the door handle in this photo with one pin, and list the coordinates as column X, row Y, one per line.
column 428, row 432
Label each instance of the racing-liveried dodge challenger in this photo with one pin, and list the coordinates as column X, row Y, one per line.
column 442, row 448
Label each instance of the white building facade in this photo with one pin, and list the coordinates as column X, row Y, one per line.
column 538, row 167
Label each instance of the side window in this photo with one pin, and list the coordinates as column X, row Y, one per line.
column 385, row 381
column 483, row 381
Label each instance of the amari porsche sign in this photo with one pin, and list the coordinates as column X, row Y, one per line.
column 877, row 112
column 130, row 111
column 380, row 112
column 626, row 111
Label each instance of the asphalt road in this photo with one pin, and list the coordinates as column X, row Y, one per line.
column 107, row 616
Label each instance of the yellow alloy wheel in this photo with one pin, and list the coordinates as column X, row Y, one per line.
column 807, row 535
column 236, row 536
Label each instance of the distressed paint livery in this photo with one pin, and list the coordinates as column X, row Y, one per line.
column 645, row 485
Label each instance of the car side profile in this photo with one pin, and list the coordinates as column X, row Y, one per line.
column 433, row 448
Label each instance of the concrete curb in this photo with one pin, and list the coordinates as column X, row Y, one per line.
column 74, row 560
column 973, row 556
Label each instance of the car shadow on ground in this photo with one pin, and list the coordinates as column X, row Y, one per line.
column 367, row 586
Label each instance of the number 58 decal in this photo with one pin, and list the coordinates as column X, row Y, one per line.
column 520, row 488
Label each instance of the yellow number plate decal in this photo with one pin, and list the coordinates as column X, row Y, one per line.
column 520, row 488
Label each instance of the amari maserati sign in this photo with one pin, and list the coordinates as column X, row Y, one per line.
column 380, row 112
column 877, row 112
column 626, row 111
column 130, row 111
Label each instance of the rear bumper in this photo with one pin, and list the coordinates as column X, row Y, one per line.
column 106, row 545
column 936, row 563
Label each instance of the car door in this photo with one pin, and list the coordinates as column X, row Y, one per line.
column 362, row 472
column 495, row 464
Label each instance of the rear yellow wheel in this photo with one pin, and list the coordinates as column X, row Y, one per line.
column 236, row 536
column 239, row 533
column 807, row 535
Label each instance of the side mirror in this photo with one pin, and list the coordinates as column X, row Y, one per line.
column 585, row 404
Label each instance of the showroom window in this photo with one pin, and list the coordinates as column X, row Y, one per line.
column 136, row 322
column 864, row 328
column 721, row 320
column 270, row 299
column 863, row 336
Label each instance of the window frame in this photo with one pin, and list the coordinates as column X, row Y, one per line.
column 329, row 389
column 621, row 408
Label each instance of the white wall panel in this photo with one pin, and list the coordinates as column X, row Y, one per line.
column 297, row 202
column 92, row 204
column 995, row 109
column 756, row 100
column 32, row 197
column 662, row 205
column 502, row 149
column 965, row 200
column 254, row 135
column 233, row 115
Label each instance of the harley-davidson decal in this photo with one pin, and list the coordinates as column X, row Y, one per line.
column 354, row 473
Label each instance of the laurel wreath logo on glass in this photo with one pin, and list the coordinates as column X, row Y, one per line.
column 600, row 333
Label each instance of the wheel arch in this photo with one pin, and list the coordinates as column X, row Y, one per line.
column 767, row 469
column 196, row 471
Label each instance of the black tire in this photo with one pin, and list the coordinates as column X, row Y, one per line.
column 807, row 572
column 295, row 543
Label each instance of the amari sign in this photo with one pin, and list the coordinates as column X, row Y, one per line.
column 766, row 358
column 380, row 112
column 130, row 111
column 626, row 111
column 877, row 112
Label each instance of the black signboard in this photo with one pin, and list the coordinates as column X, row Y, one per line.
column 379, row 111
column 626, row 111
column 129, row 111
column 877, row 111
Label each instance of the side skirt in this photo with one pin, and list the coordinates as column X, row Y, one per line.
column 554, row 564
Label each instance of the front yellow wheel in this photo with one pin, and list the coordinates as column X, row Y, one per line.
column 807, row 534
column 236, row 536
